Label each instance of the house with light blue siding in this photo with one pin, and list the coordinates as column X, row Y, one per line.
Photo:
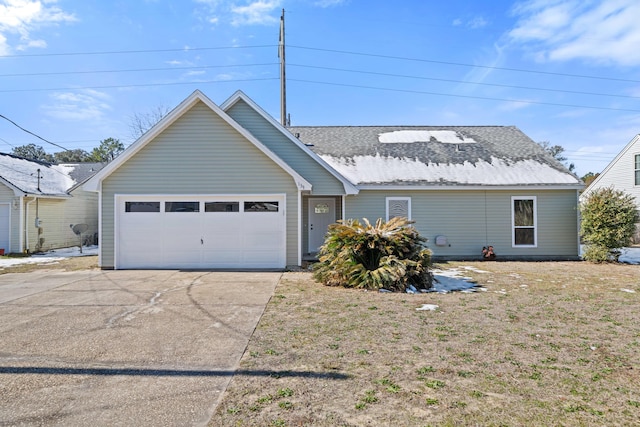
column 226, row 186
column 623, row 173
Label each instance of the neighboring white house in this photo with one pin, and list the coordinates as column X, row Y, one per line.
column 623, row 173
column 228, row 187
column 40, row 202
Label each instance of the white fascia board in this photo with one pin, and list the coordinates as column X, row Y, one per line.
column 596, row 181
column 468, row 187
column 93, row 184
column 349, row 188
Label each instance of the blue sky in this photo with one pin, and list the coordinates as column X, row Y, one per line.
column 75, row 72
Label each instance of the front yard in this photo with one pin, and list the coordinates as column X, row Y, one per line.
column 547, row 343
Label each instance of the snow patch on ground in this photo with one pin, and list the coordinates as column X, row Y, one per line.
column 630, row 255
column 51, row 257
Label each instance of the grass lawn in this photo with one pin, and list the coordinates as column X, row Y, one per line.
column 548, row 343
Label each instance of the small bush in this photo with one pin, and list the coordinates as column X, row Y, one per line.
column 608, row 223
column 600, row 254
column 386, row 255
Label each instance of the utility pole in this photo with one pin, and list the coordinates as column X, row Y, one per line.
column 283, row 76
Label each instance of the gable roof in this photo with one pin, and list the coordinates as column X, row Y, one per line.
column 349, row 188
column 596, row 182
column 21, row 175
column 93, row 184
column 435, row 156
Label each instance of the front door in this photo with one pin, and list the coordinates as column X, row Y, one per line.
column 322, row 213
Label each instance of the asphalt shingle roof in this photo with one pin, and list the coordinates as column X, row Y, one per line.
column 443, row 155
column 55, row 180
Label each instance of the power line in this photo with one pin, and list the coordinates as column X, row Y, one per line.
column 58, row 73
column 520, row 101
column 31, row 133
column 137, row 85
column 117, row 52
column 463, row 82
column 344, row 52
column 461, row 64
column 202, row 67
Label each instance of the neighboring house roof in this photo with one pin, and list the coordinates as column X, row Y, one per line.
column 93, row 184
column 600, row 179
column 448, row 156
column 21, row 175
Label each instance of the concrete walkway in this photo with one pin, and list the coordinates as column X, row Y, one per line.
column 123, row 348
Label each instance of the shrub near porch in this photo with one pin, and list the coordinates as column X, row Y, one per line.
column 387, row 255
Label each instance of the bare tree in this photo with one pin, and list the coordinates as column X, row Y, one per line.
column 142, row 122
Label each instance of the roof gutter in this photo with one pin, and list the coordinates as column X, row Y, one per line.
column 521, row 187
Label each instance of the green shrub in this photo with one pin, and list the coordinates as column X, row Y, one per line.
column 388, row 255
column 608, row 223
column 599, row 254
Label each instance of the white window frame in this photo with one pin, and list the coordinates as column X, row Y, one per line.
column 388, row 199
column 535, row 222
column 636, row 170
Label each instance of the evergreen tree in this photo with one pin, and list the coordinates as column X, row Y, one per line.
column 608, row 223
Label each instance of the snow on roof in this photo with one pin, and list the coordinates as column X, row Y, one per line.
column 435, row 155
column 378, row 170
column 55, row 180
column 411, row 136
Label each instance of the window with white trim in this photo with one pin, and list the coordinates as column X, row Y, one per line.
column 637, row 169
column 524, row 221
column 398, row 206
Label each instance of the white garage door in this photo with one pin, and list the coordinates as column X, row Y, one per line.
column 200, row 232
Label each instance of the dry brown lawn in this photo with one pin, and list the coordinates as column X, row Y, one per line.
column 548, row 343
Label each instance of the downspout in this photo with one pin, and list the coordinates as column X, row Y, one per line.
column 579, row 222
column 26, row 224
column 299, row 227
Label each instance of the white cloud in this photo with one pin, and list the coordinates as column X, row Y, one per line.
column 561, row 30
column 20, row 18
column 516, row 105
column 255, row 13
column 329, row 3
column 472, row 23
column 240, row 12
column 77, row 106
column 477, row 22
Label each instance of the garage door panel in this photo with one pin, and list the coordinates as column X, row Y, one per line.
column 262, row 240
column 214, row 233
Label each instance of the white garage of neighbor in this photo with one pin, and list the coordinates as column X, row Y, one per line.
column 195, row 231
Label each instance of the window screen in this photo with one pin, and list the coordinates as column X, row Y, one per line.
column 182, row 207
column 524, row 222
column 222, row 206
column 142, row 206
column 261, row 206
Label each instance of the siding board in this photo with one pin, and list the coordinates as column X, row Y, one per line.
column 323, row 182
column 472, row 219
column 199, row 154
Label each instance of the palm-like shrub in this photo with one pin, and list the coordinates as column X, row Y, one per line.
column 388, row 255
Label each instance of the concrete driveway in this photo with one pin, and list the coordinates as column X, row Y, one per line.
column 123, row 348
